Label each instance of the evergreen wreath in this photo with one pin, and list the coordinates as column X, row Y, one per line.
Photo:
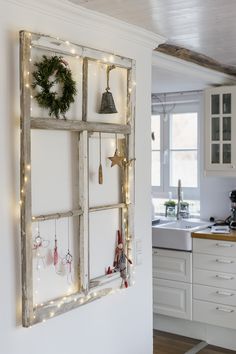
column 58, row 67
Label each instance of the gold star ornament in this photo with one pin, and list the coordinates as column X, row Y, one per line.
column 117, row 159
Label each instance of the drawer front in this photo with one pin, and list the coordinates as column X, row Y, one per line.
column 213, row 262
column 215, row 314
column 217, row 279
column 172, row 265
column 220, row 248
column 172, row 298
column 217, row 295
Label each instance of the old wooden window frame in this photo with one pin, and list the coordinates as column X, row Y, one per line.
column 90, row 289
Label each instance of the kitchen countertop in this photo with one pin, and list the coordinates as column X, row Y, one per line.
column 206, row 234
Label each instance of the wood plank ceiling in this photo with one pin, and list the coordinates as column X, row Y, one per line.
column 205, row 26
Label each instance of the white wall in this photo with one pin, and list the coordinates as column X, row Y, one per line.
column 114, row 324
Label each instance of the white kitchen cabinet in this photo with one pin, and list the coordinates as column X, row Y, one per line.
column 211, row 278
column 218, row 248
column 214, row 294
column 172, row 298
column 214, row 262
column 214, row 282
column 215, row 314
column 172, row 283
column 220, row 131
column 172, row 265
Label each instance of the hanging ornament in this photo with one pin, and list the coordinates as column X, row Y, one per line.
column 108, row 104
column 67, row 260
column 100, row 173
column 40, row 246
column 116, row 159
column 55, row 251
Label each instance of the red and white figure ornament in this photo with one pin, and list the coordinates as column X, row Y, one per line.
column 120, row 261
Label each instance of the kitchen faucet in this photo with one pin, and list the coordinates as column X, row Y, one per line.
column 178, row 214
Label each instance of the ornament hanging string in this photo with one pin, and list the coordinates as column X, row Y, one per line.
column 55, row 253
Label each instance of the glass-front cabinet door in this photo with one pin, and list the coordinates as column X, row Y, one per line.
column 220, row 116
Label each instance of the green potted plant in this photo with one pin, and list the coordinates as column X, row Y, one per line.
column 170, row 208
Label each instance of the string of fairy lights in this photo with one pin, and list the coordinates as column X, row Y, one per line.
column 79, row 298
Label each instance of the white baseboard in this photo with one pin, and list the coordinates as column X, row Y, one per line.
column 218, row 336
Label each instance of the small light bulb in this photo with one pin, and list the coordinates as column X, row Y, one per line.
column 67, row 42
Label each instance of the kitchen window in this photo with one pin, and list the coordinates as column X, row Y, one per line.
column 175, row 154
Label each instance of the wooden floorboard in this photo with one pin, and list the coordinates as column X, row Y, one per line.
column 167, row 343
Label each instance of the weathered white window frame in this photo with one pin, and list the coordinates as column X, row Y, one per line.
column 89, row 289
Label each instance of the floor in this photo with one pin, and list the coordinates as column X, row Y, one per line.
column 166, row 343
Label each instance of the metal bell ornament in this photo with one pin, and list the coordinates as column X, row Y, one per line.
column 108, row 104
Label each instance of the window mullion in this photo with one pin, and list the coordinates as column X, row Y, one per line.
column 166, row 151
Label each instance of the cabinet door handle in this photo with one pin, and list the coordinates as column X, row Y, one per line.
column 224, row 261
column 225, row 277
column 225, row 245
column 224, row 309
column 224, row 293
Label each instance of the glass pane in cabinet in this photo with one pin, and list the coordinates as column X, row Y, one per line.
column 215, row 129
column 215, row 104
column 226, row 128
column 226, row 153
column 226, row 103
column 215, row 153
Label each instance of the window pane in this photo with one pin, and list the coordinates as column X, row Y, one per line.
column 183, row 165
column 156, row 178
column 183, row 131
column 156, row 132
